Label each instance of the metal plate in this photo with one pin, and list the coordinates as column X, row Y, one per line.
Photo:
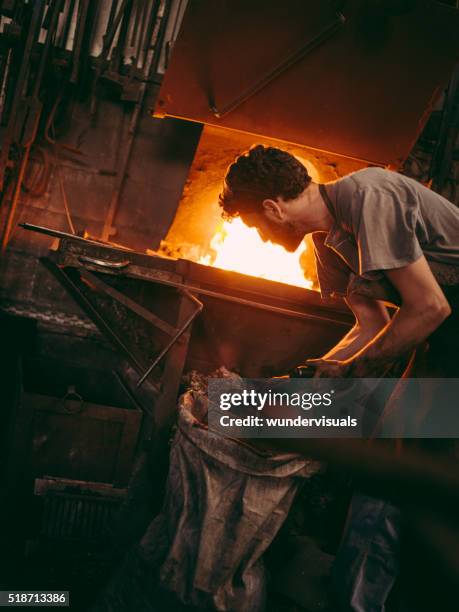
column 364, row 92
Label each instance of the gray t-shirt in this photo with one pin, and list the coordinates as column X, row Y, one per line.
column 383, row 220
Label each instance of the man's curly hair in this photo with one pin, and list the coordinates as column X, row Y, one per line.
column 258, row 174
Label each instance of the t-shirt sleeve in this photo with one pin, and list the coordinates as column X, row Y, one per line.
column 332, row 273
column 384, row 227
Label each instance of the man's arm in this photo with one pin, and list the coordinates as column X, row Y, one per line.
column 371, row 317
column 424, row 307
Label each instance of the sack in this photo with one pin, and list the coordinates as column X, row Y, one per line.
column 224, row 504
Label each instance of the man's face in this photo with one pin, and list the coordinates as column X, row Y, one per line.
column 278, row 231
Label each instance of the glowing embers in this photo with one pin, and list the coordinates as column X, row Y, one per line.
column 239, row 248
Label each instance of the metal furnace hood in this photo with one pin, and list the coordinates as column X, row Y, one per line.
column 355, row 78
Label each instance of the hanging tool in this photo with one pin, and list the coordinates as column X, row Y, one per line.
column 110, row 33
column 27, row 119
column 79, row 34
column 64, row 36
column 158, row 46
column 32, row 37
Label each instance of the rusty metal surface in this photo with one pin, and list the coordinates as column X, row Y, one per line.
column 363, row 91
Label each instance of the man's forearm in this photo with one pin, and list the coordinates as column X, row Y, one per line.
column 408, row 328
column 352, row 343
column 371, row 317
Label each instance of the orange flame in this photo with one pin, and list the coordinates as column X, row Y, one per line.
column 239, row 248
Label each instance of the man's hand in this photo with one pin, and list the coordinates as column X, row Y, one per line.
column 350, row 368
column 329, row 368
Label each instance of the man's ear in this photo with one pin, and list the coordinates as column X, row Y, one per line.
column 272, row 210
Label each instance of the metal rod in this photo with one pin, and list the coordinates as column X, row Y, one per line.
column 67, row 25
column 145, row 20
column 112, row 29
column 112, row 14
column 292, row 59
column 64, row 235
column 56, row 8
column 173, row 340
column 79, row 35
column 158, row 46
column 140, row 310
column 116, row 58
column 245, row 302
column 146, row 47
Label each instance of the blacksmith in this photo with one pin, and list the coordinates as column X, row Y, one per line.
column 379, row 237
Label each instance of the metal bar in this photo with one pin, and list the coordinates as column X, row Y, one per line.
column 108, row 229
column 173, row 340
column 112, row 29
column 141, row 406
column 136, row 37
column 158, row 46
column 111, row 15
column 44, row 54
column 174, row 363
column 146, row 47
column 292, row 59
column 58, row 234
column 67, row 24
column 94, row 18
column 174, row 32
column 116, row 57
column 245, row 302
column 143, row 312
column 5, row 63
column 136, row 15
column 147, row 7
column 81, row 24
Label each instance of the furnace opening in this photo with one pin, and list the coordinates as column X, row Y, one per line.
column 199, row 234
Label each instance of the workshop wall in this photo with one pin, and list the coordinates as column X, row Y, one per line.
column 161, row 154
column 97, row 148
